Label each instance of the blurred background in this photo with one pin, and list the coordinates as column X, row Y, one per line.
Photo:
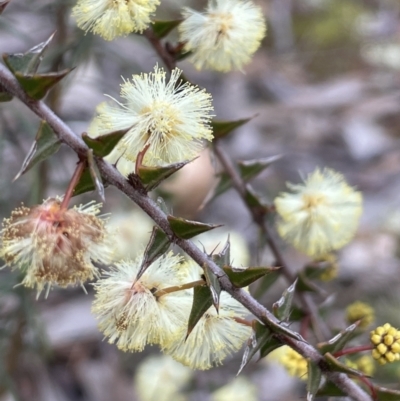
column 324, row 90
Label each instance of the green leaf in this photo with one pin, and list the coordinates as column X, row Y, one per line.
column 271, row 345
column 187, row 229
column 95, row 174
column 386, row 394
column 163, row 28
column 152, row 177
column 244, row 277
column 202, row 300
column 282, row 308
column 338, row 366
column 223, row 128
column 213, row 284
column 251, row 168
column 253, row 201
column 46, row 144
column 4, row 95
column 338, row 342
column 330, row 389
column 260, row 337
column 157, row 246
column 266, row 282
column 85, row 183
column 36, row 86
column 314, row 376
column 306, row 285
column 27, row 63
column 103, row 145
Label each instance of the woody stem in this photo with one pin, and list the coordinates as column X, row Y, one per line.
column 168, row 290
column 72, row 184
column 353, row 350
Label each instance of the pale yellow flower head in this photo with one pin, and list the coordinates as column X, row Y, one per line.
column 320, row 215
column 53, row 245
column 224, row 37
column 160, row 378
column 215, row 336
column 295, row 364
column 360, row 311
column 386, row 341
column 239, row 388
column 129, row 313
column 364, row 364
column 172, row 117
column 113, row 18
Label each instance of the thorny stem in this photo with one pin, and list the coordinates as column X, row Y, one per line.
column 167, row 58
column 175, row 288
column 113, row 177
column 72, row 184
column 321, row 331
column 353, row 350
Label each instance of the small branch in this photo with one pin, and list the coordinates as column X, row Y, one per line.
column 72, row 184
column 243, row 321
column 113, row 177
column 175, row 288
column 353, row 350
column 321, row 330
column 165, row 56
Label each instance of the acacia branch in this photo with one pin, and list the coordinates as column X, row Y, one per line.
column 111, row 175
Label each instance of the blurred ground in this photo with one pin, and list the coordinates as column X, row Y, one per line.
column 324, row 90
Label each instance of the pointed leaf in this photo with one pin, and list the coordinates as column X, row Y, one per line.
column 271, row 345
column 187, row 229
column 386, row 394
column 266, row 282
column 202, row 300
column 330, row 389
column 213, row 284
column 103, row 145
column 282, row 308
column 251, row 168
column 253, row 200
column 314, row 376
column 163, row 28
column 27, row 63
column 36, row 86
column 223, row 185
column 95, row 174
column 338, row 366
column 244, row 277
column 3, row 5
column 85, row 183
column 338, row 342
column 223, row 128
column 223, row 258
column 261, row 337
column 306, row 285
column 152, row 177
column 157, row 246
column 46, row 144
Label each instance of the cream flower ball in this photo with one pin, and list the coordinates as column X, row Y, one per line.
column 224, row 37
column 172, row 117
column 320, row 215
column 111, row 19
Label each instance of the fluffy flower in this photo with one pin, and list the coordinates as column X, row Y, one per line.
column 386, row 341
column 55, row 245
column 161, row 378
column 171, row 117
column 131, row 314
column 319, row 215
column 225, row 37
column 112, row 18
column 215, row 336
